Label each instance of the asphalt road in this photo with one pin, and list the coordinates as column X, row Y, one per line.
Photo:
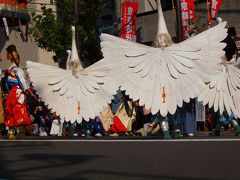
column 121, row 158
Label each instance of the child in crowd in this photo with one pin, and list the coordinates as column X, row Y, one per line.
column 57, row 125
column 41, row 114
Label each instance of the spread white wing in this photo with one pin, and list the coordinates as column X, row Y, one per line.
column 73, row 98
column 223, row 91
column 162, row 78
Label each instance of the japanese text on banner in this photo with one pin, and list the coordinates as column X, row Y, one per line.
column 215, row 5
column 188, row 18
column 129, row 20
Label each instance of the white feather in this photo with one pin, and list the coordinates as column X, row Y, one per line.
column 91, row 88
column 181, row 68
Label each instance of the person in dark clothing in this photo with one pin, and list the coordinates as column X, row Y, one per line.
column 41, row 116
column 231, row 47
column 87, row 128
column 31, row 102
column 141, row 118
column 98, row 128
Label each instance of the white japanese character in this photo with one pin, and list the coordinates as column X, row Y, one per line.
column 130, row 10
column 134, row 38
column 185, row 16
column 184, row 6
column 214, row 4
column 213, row 13
column 129, row 28
column 129, row 19
column 184, row 23
column 129, row 37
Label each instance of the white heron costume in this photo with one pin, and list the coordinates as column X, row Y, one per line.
column 75, row 93
column 164, row 76
column 223, row 90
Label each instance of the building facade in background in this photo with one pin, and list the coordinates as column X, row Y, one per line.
column 28, row 51
column 110, row 22
column 147, row 17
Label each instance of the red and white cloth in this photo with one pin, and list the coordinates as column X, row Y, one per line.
column 129, row 20
column 16, row 110
column 188, row 18
column 214, row 7
column 121, row 121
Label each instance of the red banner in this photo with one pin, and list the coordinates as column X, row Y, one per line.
column 214, row 7
column 22, row 4
column 15, row 12
column 129, row 20
column 188, row 18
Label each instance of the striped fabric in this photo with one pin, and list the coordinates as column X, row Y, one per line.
column 15, row 11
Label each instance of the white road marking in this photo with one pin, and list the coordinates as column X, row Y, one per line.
column 121, row 140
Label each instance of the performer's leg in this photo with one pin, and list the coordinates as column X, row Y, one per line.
column 236, row 126
column 148, row 129
column 156, row 129
column 1, row 130
column 176, row 131
column 64, row 129
column 89, row 127
column 9, row 118
column 11, row 133
column 86, row 126
column 216, row 131
column 144, row 131
column 72, row 129
column 21, row 132
column 165, row 129
column 155, row 125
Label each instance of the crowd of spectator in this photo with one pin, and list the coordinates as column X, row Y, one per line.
column 123, row 117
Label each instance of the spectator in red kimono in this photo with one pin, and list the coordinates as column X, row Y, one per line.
column 16, row 115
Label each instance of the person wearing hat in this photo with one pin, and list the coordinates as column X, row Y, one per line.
column 16, row 115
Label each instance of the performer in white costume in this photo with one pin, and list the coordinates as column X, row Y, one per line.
column 222, row 92
column 164, row 76
column 75, row 93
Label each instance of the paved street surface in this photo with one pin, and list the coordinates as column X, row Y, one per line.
column 200, row 157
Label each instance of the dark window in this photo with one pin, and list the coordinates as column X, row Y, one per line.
column 166, row 4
